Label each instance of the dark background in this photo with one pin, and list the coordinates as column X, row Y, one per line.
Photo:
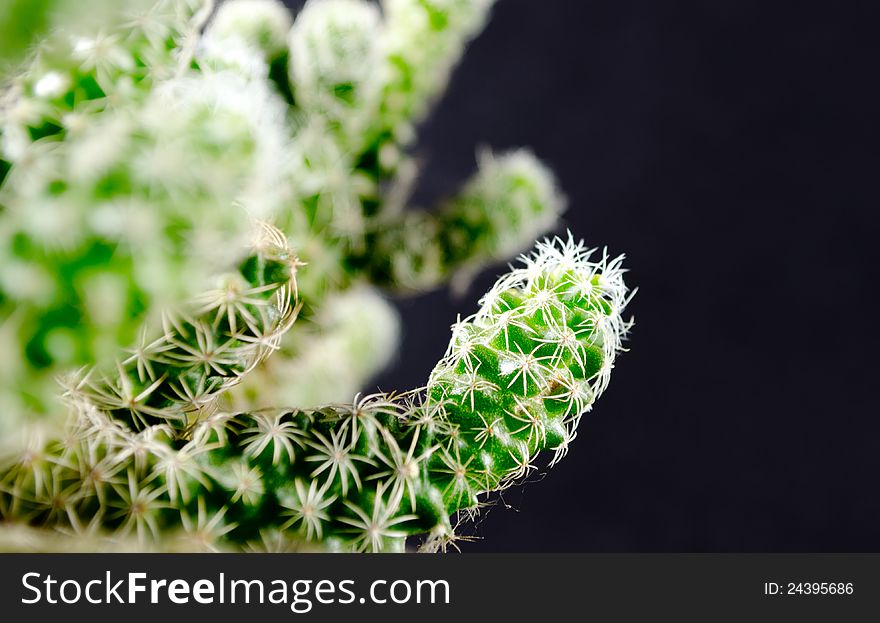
column 730, row 149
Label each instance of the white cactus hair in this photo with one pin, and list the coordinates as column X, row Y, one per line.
column 568, row 254
column 261, row 23
column 336, row 44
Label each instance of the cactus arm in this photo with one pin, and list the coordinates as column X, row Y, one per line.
column 508, row 203
column 372, row 75
column 334, row 52
column 424, row 40
column 366, row 78
column 520, row 373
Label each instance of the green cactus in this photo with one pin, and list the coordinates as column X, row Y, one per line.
column 177, row 376
column 512, row 195
column 134, row 157
column 160, row 179
column 264, row 24
column 359, row 333
column 126, row 194
column 423, row 40
column 516, row 379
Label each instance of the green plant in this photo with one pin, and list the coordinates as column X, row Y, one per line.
column 140, row 167
column 135, row 159
column 516, row 379
column 126, row 180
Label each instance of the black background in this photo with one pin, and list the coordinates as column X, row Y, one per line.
column 730, row 149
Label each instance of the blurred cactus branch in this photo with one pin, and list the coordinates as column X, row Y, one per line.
column 511, row 200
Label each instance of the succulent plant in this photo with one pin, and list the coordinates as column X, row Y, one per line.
column 128, row 177
column 516, row 379
column 177, row 188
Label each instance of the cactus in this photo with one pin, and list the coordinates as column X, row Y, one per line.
column 512, row 195
column 177, row 377
column 126, row 194
column 180, row 185
column 359, row 333
column 261, row 23
column 424, row 41
column 516, row 379
column 149, row 144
